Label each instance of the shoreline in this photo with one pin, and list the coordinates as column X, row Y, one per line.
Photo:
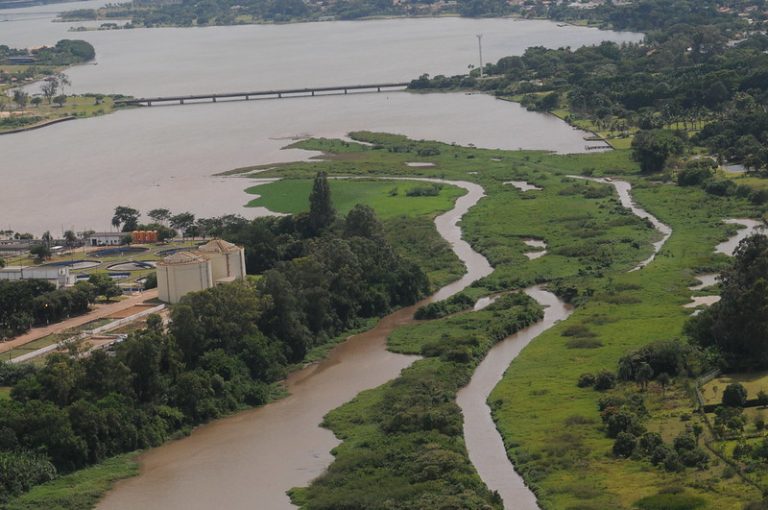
column 39, row 125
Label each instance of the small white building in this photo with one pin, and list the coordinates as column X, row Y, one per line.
column 57, row 275
column 106, row 238
column 214, row 263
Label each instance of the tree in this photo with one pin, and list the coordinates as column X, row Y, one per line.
column 734, row 395
column 361, row 221
column 643, row 375
column 70, row 239
column 737, row 326
column 160, row 215
column 762, row 398
column 36, row 101
column 104, row 285
column 624, row 445
column 60, row 100
column 664, row 380
column 41, row 252
column 49, row 87
column 321, row 211
column 127, row 217
column 652, row 149
column 20, row 98
column 182, row 221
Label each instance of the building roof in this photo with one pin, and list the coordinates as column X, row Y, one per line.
column 218, row 246
column 182, row 257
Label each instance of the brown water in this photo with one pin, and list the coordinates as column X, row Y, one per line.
column 623, row 188
column 751, row 227
column 249, row 460
column 486, row 448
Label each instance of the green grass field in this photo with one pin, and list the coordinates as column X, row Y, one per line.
column 387, row 198
column 551, row 427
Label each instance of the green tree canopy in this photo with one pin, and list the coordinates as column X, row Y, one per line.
column 321, row 211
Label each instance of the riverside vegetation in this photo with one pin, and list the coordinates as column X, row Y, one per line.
column 226, row 348
column 19, row 109
column 551, row 426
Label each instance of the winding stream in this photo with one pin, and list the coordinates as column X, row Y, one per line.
column 485, row 446
column 251, row 459
column 623, row 188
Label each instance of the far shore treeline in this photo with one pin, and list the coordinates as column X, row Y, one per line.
column 319, row 276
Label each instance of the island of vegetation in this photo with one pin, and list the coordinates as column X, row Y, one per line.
column 22, row 109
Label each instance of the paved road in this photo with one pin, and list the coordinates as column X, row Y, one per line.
column 98, row 312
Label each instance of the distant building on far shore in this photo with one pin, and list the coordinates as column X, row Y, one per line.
column 213, row 263
column 106, row 238
column 57, row 275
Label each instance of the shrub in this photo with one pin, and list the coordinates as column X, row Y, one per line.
column 735, row 395
column 605, row 380
column 624, row 445
column 586, row 380
column 670, row 502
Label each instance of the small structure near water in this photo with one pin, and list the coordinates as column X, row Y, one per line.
column 211, row 264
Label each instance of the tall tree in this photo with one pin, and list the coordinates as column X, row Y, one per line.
column 321, row 211
column 737, row 326
column 127, row 217
column 160, row 215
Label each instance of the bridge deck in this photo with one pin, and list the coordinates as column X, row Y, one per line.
column 275, row 93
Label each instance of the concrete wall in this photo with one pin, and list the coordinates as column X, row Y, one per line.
column 174, row 281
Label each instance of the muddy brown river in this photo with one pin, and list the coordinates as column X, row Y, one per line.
column 250, row 460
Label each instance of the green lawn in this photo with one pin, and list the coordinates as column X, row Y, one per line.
column 5, row 393
column 753, row 382
column 387, row 198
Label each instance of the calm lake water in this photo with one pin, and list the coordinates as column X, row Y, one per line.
column 73, row 175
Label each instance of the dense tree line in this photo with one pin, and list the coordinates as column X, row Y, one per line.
column 694, row 71
column 736, row 328
column 65, row 52
column 27, row 302
column 224, row 348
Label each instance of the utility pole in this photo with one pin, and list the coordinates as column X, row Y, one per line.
column 480, row 48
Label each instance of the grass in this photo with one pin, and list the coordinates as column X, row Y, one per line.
column 592, row 244
column 754, row 382
column 388, row 198
column 79, row 490
column 5, row 393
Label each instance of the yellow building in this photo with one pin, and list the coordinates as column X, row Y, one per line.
column 190, row 271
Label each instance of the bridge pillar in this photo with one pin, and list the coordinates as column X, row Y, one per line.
column 378, row 89
column 313, row 93
column 247, row 98
column 181, row 101
column 345, row 91
column 214, row 98
column 279, row 94
column 149, row 103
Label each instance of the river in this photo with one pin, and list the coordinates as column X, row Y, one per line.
column 72, row 175
column 257, row 455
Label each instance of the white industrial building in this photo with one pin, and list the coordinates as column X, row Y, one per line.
column 57, row 275
column 191, row 271
column 106, row 238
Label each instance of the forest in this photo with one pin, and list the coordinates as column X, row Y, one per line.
column 224, row 350
column 694, row 73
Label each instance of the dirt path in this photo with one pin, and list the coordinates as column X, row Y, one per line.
column 98, row 312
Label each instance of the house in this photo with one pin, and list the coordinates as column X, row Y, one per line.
column 105, row 238
column 57, row 275
column 214, row 263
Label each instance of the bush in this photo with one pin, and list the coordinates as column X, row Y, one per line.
column 586, row 380
column 735, row 395
column 624, row 445
column 670, row 502
column 605, row 380
column 696, row 172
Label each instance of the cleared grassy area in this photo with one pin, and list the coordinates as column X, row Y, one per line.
column 5, row 393
column 753, row 382
column 388, row 198
column 79, row 490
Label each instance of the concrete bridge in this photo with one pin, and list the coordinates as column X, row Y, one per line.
column 263, row 94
